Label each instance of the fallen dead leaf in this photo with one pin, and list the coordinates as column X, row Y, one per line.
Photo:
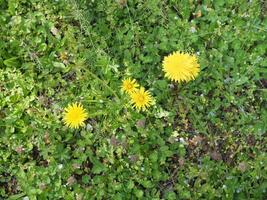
column 216, row 155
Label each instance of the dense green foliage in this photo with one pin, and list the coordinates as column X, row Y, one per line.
column 205, row 139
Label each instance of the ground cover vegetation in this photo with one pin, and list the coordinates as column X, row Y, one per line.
column 133, row 99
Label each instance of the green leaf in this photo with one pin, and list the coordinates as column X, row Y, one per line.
column 59, row 65
column 98, row 167
column 16, row 196
column 138, row 193
column 241, row 81
column 85, row 179
column 11, row 62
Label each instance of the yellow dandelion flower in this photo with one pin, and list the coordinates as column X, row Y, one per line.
column 141, row 99
column 129, row 85
column 181, row 67
column 75, row 115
